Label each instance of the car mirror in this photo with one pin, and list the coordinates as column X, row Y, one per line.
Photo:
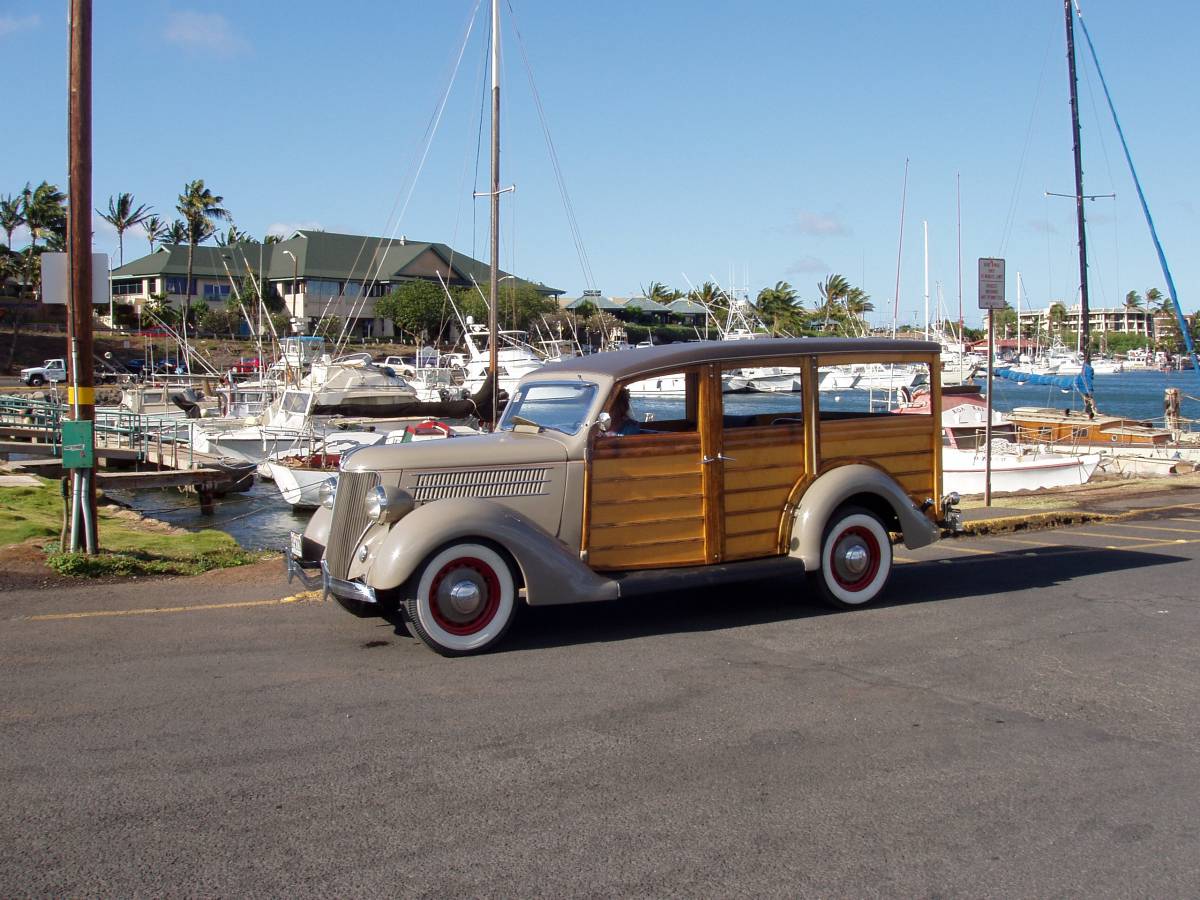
column 604, row 421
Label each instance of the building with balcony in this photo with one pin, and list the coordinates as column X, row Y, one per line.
column 1118, row 319
column 315, row 273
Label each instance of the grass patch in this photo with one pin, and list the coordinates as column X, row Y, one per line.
column 107, row 563
column 129, row 545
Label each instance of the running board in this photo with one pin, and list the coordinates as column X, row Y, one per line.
column 632, row 584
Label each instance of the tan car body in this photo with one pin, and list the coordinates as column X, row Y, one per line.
column 541, row 496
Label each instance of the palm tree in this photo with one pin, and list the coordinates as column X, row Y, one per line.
column 175, row 233
column 858, row 303
column 233, row 236
column 10, row 217
column 833, row 290
column 44, row 210
column 1157, row 301
column 200, row 209
column 156, row 230
column 1133, row 300
column 776, row 306
column 712, row 298
column 122, row 215
column 1058, row 316
column 272, row 238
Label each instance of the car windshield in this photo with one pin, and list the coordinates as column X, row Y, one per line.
column 562, row 406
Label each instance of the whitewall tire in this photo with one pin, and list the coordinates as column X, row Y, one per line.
column 464, row 600
column 856, row 558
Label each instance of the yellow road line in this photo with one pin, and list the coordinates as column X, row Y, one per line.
column 1108, row 537
column 1027, row 543
column 1175, row 543
column 109, row 613
column 1162, row 528
column 972, row 550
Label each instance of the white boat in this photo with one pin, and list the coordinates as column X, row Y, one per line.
column 885, row 376
column 1015, row 467
column 299, row 473
column 336, row 394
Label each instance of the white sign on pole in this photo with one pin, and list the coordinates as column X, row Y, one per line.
column 991, row 283
column 56, row 278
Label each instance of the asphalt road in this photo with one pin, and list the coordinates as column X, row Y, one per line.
column 1020, row 720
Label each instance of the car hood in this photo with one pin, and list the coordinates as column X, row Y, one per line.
column 29, row 369
column 477, row 451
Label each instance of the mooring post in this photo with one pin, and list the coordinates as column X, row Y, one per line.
column 205, row 493
column 1171, row 401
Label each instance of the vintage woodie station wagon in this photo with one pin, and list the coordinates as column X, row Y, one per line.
column 572, row 500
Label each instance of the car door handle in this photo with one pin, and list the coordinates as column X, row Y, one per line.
column 720, row 456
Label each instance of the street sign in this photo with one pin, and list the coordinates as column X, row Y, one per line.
column 56, row 278
column 78, row 446
column 991, row 283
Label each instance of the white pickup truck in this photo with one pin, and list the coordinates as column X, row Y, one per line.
column 52, row 370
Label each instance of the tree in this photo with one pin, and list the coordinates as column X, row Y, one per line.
column 1157, row 301
column 44, row 210
column 176, row 233
column 776, row 306
column 1133, row 300
column 233, row 236
column 329, row 327
column 713, row 299
column 1058, row 316
column 1005, row 319
column 200, row 209
column 858, row 303
column 122, row 215
column 10, row 217
column 272, row 238
column 833, row 290
column 417, row 307
column 156, row 230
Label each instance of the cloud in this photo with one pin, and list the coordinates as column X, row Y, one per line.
column 1041, row 226
column 287, row 229
column 11, row 24
column 208, row 32
column 818, row 224
column 807, row 265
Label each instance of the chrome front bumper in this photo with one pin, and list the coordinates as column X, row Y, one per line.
column 346, row 590
column 304, row 569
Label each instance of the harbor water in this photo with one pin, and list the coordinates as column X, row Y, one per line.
column 260, row 519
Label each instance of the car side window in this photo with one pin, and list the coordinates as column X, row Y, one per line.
column 758, row 396
column 664, row 403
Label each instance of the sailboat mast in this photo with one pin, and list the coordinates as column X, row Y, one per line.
column 494, row 196
column 1018, row 318
column 925, row 228
column 1084, row 316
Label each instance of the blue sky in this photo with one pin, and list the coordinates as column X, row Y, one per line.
column 750, row 142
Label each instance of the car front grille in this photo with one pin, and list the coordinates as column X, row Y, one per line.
column 349, row 520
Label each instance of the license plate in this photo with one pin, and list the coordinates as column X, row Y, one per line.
column 297, row 540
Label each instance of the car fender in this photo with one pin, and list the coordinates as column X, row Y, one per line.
column 834, row 488
column 552, row 574
column 316, row 533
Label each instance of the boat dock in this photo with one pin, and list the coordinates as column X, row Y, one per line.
column 133, row 452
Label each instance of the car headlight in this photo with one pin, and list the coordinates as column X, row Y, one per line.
column 327, row 491
column 388, row 504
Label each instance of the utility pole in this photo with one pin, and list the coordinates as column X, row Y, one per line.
column 82, row 394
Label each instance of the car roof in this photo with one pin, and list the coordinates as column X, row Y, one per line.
column 619, row 364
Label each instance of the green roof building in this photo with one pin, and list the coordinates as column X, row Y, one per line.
column 316, row 273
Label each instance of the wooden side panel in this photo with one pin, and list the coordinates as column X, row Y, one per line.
column 766, row 463
column 902, row 445
column 646, row 505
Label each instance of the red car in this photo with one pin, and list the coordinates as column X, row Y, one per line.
column 246, row 366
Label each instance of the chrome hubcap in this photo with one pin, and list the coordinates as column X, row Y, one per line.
column 854, row 559
column 462, row 598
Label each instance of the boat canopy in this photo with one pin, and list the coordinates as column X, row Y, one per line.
column 1081, row 382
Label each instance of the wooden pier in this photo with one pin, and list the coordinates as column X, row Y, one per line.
column 148, row 465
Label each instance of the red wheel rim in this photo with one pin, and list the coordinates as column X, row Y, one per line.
column 856, row 534
column 490, row 605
